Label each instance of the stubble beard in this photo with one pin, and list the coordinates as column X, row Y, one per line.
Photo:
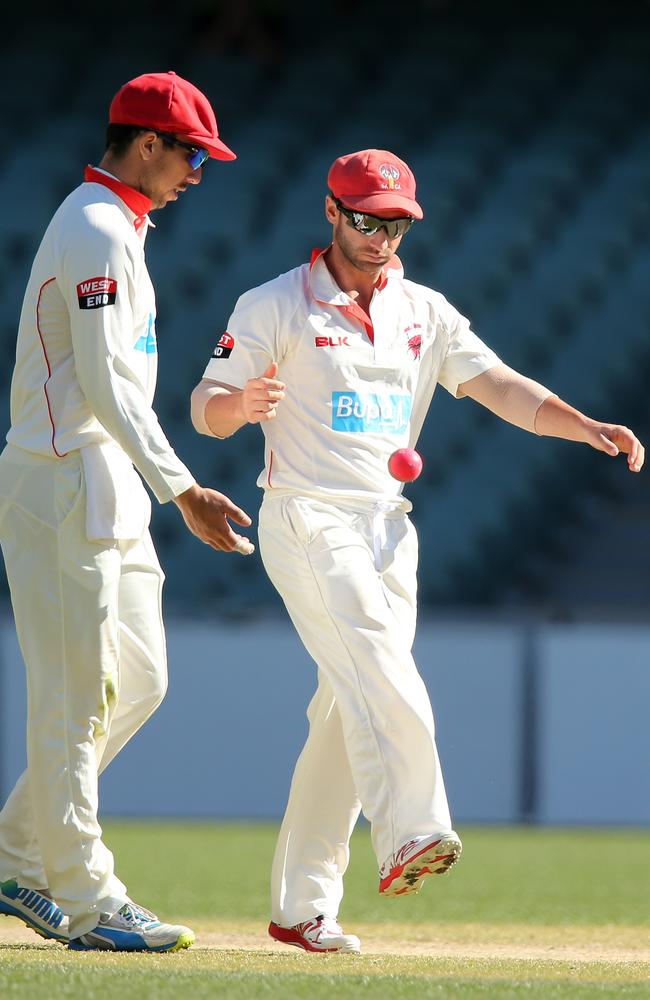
column 353, row 257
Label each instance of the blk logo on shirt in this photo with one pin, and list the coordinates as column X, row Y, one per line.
column 224, row 347
column 95, row 293
column 331, row 342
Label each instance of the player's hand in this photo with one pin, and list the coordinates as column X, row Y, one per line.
column 261, row 395
column 206, row 514
column 614, row 438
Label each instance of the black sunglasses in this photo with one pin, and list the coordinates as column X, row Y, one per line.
column 369, row 224
column 197, row 156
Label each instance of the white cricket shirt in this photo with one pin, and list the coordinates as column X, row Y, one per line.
column 86, row 357
column 357, row 386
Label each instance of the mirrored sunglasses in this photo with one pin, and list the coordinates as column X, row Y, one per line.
column 197, row 155
column 369, row 224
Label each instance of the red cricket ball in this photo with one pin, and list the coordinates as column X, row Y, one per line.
column 405, row 464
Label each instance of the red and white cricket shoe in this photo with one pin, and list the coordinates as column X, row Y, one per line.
column 406, row 869
column 320, row 934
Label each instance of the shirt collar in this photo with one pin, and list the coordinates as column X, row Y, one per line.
column 139, row 204
column 324, row 287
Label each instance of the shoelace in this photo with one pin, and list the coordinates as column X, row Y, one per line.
column 143, row 909
column 328, row 925
column 137, row 914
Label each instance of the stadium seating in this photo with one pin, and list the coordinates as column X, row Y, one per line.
column 528, row 136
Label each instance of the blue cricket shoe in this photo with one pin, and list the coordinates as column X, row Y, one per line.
column 133, row 928
column 35, row 908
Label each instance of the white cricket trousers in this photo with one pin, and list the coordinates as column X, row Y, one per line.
column 88, row 618
column 348, row 579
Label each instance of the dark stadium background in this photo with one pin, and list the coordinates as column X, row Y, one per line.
column 527, row 127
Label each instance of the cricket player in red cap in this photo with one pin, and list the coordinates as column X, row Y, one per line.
column 85, row 581
column 338, row 360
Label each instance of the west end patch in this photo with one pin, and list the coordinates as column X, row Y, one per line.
column 95, row 293
column 224, row 347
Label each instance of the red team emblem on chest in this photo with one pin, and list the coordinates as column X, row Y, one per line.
column 415, row 340
column 224, row 347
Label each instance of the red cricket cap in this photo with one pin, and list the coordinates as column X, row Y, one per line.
column 373, row 180
column 166, row 102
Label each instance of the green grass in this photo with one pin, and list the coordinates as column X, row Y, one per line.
column 195, row 975
column 498, row 926
column 507, row 875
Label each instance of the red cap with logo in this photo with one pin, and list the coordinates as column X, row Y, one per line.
column 374, row 180
column 166, row 102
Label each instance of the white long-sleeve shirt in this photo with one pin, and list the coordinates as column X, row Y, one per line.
column 86, row 358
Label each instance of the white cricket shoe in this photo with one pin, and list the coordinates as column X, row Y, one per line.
column 36, row 908
column 133, row 928
column 320, row 934
column 406, row 869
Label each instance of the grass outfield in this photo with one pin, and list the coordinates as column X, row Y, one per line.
column 526, row 913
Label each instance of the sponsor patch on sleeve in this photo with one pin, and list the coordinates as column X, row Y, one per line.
column 224, row 346
column 95, row 293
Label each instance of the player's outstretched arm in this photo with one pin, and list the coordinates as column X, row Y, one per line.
column 527, row 404
column 221, row 409
column 555, row 418
column 206, row 514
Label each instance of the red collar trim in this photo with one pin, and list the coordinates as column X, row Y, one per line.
column 345, row 303
column 351, row 307
column 139, row 203
column 315, row 254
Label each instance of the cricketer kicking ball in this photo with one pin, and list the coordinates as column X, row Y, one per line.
column 405, row 464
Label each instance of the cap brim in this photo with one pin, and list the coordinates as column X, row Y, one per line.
column 216, row 148
column 383, row 201
column 221, row 151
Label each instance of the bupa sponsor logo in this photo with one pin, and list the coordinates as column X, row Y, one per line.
column 147, row 342
column 224, row 346
column 370, row 413
column 95, row 293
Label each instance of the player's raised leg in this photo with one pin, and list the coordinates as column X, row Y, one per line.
column 339, row 607
column 406, row 869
